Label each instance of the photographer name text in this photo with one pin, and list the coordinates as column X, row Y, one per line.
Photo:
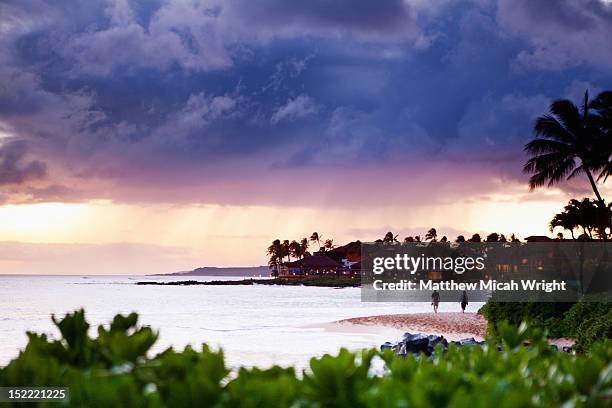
column 490, row 285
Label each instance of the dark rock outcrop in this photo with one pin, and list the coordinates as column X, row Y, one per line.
column 419, row 343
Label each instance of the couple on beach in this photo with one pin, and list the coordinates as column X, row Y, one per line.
column 435, row 301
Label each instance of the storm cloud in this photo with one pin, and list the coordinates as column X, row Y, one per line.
column 15, row 168
column 130, row 100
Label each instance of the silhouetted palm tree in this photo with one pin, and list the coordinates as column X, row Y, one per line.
column 594, row 219
column 275, row 251
column 304, row 245
column 295, row 249
column 564, row 136
column 389, row 238
column 565, row 220
column 408, row 239
column 315, row 237
column 329, row 244
column 286, row 250
column 460, row 238
column 432, row 234
column 603, row 105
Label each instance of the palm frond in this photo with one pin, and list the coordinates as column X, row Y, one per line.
column 567, row 114
column 540, row 146
column 549, row 127
column 548, row 169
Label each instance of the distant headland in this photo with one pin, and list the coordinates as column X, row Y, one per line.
column 250, row 271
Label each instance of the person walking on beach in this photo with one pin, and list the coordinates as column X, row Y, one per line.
column 435, row 300
column 464, row 301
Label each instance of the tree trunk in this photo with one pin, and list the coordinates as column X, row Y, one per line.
column 594, row 186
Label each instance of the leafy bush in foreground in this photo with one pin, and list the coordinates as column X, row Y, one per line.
column 113, row 369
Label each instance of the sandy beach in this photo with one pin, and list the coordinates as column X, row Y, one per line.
column 453, row 326
column 450, row 325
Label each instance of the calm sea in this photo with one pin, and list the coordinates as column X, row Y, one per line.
column 255, row 325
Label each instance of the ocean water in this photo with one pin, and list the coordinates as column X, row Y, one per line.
column 255, row 325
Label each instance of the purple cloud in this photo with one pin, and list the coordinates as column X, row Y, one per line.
column 15, row 168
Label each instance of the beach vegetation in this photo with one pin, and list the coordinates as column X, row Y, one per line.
column 517, row 367
column 587, row 322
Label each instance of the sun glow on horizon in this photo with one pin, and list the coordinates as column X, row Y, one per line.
column 188, row 236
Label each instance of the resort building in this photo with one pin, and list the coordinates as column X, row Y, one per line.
column 312, row 265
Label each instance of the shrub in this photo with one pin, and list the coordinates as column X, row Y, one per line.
column 549, row 316
column 585, row 321
column 582, row 312
column 594, row 329
column 114, row 369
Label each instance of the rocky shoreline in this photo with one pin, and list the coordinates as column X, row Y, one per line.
column 331, row 281
column 419, row 343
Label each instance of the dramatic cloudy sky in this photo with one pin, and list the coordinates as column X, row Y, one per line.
column 161, row 135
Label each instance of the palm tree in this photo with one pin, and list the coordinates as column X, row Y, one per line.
column 603, row 105
column 389, row 238
column 444, row 239
column 295, row 249
column 304, row 245
column 590, row 215
column 286, row 250
column 275, row 250
column 565, row 220
column 329, row 244
column 315, row 237
column 564, row 135
column 432, row 234
column 408, row 239
column 460, row 239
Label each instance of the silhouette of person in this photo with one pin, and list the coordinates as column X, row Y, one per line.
column 435, row 300
column 464, row 301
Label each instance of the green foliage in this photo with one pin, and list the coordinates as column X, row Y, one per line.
column 115, row 369
column 587, row 322
column 548, row 316
column 594, row 329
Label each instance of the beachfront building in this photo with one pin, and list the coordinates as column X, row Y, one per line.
column 312, row 265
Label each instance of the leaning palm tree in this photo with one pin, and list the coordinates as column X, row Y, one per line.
column 564, row 146
column 603, row 106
